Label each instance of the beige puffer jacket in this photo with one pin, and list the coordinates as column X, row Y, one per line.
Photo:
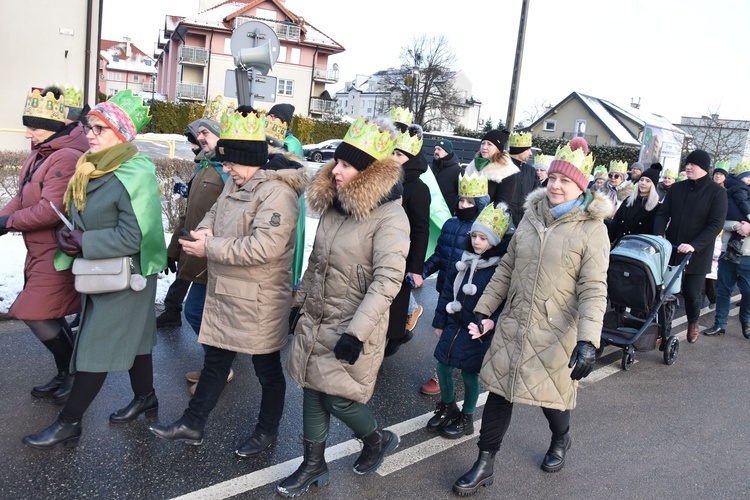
column 249, row 291
column 354, row 272
column 554, row 277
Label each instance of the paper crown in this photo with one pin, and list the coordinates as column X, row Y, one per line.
column 577, row 158
column 236, row 127
column 473, row 185
column 722, row 164
column 45, row 107
column 681, row 176
column 411, row 144
column 275, row 131
column 741, row 168
column 497, row 219
column 216, row 107
column 401, row 115
column 520, row 140
column 669, row 172
column 541, row 159
column 133, row 106
column 73, row 96
column 600, row 172
column 367, row 137
column 620, row 167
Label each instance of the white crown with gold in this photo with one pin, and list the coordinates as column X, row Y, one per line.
column 473, row 185
column 217, row 106
column 235, row 127
column 46, row 107
column 580, row 160
column 367, row 137
column 275, row 131
column 520, row 140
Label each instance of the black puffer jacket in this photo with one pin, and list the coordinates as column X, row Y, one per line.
column 447, row 171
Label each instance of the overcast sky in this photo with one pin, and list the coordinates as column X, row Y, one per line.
column 679, row 57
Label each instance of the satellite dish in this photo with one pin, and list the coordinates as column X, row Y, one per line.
column 254, row 34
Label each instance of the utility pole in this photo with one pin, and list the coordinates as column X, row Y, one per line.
column 510, row 119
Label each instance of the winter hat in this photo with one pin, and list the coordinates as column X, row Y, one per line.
column 699, row 158
column 653, row 173
column 493, row 222
column 242, row 138
column 519, row 142
column 45, row 109
column 579, row 143
column 669, row 172
column 446, row 145
column 211, row 125
column 722, row 166
column 124, row 113
column 409, row 142
column 600, row 172
column 573, row 163
column 637, row 165
column 284, row 112
column 497, row 137
column 541, row 161
column 191, row 132
column 367, row 141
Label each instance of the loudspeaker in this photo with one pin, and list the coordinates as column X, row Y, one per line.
column 256, row 57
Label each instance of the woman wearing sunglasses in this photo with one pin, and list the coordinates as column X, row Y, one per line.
column 618, row 188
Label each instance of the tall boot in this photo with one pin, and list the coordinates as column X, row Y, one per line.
column 59, row 432
column 61, row 350
column 480, row 474
column 376, row 445
column 445, row 413
column 61, row 395
column 313, row 470
column 463, row 425
column 554, row 460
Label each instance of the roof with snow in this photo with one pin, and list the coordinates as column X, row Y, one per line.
column 117, row 57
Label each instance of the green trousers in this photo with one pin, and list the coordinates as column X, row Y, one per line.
column 318, row 407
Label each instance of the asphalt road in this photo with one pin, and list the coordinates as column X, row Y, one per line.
column 656, row 431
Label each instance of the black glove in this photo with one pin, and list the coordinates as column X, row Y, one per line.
column 478, row 318
column 171, row 266
column 583, row 358
column 348, row 348
column 293, row 317
column 3, row 225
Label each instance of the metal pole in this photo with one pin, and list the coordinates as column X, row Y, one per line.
column 509, row 121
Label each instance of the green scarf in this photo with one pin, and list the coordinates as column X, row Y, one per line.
column 480, row 162
column 92, row 166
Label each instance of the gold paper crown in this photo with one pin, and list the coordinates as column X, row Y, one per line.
column 577, row 158
column 367, row 137
column 542, row 159
column 275, row 131
column 681, row 176
column 741, row 168
column 497, row 219
column 620, row 167
column 669, row 172
column 473, row 185
column 73, row 96
column 412, row 144
column 722, row 164
column 520, row 140
column 46, row 106
column 600, row 172
column 402, row 115
column 242, row 128
column 216, row 107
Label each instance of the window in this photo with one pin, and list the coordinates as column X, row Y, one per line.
column 286, row 87
column 296, row 54
column 549, row 125
column 282, row 54
column 148, row 62
column 580, row 128
column 115, row 58
column 135, row 78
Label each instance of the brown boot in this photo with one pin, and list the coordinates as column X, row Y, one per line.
column 693, row 332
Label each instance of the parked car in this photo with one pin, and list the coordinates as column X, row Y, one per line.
column 321, row 151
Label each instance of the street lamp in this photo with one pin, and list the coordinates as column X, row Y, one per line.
column 414, row 76
column 153, row 87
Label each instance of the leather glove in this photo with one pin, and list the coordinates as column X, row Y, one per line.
column 171, row 266
column 3, row 224
column 70, row 242
column 293, row 318
column 478, row 318
column 582, row 360
column 348, row 348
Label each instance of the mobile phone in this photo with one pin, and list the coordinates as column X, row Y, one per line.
column 186, row 235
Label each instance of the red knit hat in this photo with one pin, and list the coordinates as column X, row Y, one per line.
column 574, row 163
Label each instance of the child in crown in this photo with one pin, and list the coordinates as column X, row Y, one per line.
column 457, row 348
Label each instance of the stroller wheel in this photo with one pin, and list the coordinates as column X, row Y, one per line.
column 628, row 358
column 671, row 350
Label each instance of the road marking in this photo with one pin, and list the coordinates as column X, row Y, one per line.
column 400, row 459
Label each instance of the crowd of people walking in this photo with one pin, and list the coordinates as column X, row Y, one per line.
column 521, row 269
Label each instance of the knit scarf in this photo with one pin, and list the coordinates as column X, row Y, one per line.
column 480, row 162
column 92, row 166
column 565, row 207
column 471, row 262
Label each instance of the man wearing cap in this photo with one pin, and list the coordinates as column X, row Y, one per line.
column 447, row 170
column 635, row 172
column 526, row 180
column 691, row 216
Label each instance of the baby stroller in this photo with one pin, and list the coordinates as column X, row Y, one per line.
column 641, row 286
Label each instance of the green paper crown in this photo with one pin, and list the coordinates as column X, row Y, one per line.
column 133, row 106
column 620, row 167
column 275, row 131
column 741, row 168
column 497, row 219
column 520, row 140
column 217, row 107
column 681, row 176
column 600, row 172
column 402, row 115
column 73, row 96
column 722, row 164
column 46, row 106
column 577, row 158
column 542, row 159
column 473, row 185
column 669, row 172
column 412, row 144
column 236, row 127
column 368, row 138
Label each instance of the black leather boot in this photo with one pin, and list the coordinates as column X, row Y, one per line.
column 376, row 445
column 445, row 413
column 480, row 474
column 147, row 404
column 48, row 389
column 61, row 350
column 177, row 431
column 58, row 433
column 463, row 425
column 60, row 396
column 554, row 460
column 312, row 471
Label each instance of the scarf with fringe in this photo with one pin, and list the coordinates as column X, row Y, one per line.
column 92, row 166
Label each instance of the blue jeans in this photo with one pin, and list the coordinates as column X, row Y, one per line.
column 730, row 275
column 196, row 299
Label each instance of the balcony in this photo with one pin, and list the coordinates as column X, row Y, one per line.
column 323, row 74
column 148, row 87
column 322, row 106
column 191, row 91
column 286, row 31
column 193, row 55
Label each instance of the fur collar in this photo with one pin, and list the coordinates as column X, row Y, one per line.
column 359, row 196
column 495, row 171
column 600, row 207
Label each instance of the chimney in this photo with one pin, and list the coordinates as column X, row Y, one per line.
column 128, row 51
column 636, row 105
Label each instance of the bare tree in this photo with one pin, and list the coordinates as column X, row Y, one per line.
column 533, row 112
column 722, row 139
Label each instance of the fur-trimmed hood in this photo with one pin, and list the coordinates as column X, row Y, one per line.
column 288, row 168
column 599, row 206
column 495, row 171
column 368, row 189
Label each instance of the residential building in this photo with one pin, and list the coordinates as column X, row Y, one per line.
column 196, row 55
column 723, row 139
column 122, row 65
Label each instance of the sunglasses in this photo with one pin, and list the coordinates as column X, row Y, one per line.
column 614, row 176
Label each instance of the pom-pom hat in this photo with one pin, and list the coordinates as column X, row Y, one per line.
column 575, row 164
column 653, row 173
column 124, row 113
